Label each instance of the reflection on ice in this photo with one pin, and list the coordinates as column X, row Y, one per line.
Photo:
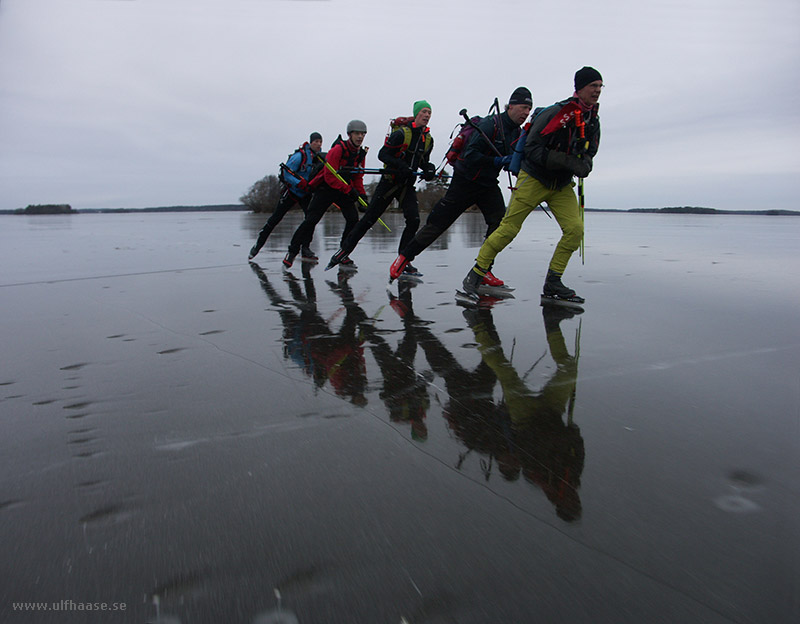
column 524, row 432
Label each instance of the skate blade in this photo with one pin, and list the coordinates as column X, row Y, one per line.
column 479, row 301
column 310, row 260
column 494, row 291
column 564, row 303
column 463, row 297
column 410, row 278
column 347, row 269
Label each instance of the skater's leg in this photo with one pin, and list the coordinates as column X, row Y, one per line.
column 564, row 206
column 316, row 209
column 384, row 193
column 286, row 201
column 493, row 207
column 410, row 208
column 442, row 216
column 350, row 214
column 523, row 201
column 444, row 213
column 304, row 202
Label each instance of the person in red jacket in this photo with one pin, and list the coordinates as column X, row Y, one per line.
column 342, row 188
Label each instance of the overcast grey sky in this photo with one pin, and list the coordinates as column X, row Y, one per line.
column 135, row 103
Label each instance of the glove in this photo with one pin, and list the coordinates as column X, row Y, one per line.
column 363, row 207
column 429, row 172
column 302, row 185
column 354, row 194
column 403, row 171
column 580, row 167
column 502, row 161
column 579, row 146
column 584, row 166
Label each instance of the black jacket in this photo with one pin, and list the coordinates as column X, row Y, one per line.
column 477, row 160
column 554, row 129
column 407, row 148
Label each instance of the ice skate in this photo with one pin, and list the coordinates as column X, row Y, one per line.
column 397, row 268
column 470, row 286
column 307, row 255
column 288, row 259
column 556, row 293
column 336, row 259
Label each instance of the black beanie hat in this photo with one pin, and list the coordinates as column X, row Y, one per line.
column 315, row 136
column 521, row 95
column 585, row 75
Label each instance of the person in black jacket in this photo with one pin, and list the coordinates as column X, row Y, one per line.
column 475, row 181
column 405, row 152
column 561, row 143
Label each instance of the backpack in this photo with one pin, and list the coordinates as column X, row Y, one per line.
column 402, row 123
column 303, row 161
column 519, row 148
column 458, row 144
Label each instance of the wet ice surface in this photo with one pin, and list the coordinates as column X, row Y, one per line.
column 208, row 440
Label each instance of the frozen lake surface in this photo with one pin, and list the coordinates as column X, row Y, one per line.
column 201, row 439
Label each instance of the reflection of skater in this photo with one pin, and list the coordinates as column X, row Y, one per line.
column 294, row 191
column 469, row 393
column 324, row 355
column 475, row 181
column 338, row 186
column 406, row 151
column 405, row 391
column 549, row 450
column 560, row 144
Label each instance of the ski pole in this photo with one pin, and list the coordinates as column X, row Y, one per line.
column 581, row 126
column 463, row 113
column 496, row 106
column 391, row 172
column 292, row 173
column 335, row 173
column 376, row 171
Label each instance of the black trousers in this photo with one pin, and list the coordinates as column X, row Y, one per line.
column 323, row 197
column 385, row 192
column 462, row 194
column 285, row 203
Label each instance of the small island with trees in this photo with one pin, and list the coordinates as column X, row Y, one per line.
column 46, row 209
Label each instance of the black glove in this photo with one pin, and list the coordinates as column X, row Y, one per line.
column 402, row 171
column 362, row 207
column 579, row 146
column 353, row 193
column 429, row 172
column 580, row 167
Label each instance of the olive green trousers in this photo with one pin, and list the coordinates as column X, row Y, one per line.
column 563, row 205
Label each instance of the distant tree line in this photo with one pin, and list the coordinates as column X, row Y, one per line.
column 677, row 210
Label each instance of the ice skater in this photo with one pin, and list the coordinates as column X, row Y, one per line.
column 561, row 143
column 338, row 184
column 475, row 181
column 300, row 168
column 405, row 152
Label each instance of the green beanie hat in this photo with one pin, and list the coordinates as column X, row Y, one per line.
column 419, row 105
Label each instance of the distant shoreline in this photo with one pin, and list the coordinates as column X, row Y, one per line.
column 695, row 210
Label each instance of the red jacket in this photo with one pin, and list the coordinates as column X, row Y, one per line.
column 343, row 154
